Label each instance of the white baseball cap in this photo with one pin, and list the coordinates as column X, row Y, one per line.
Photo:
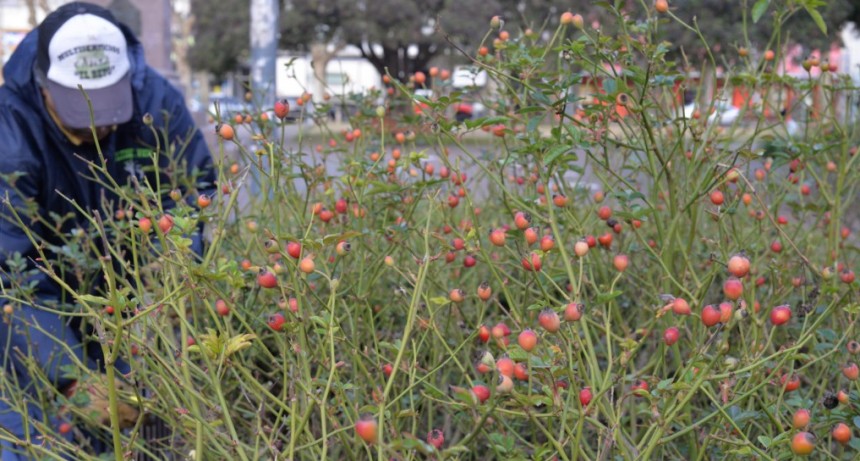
column 82, row 47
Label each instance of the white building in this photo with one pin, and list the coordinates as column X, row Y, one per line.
column 346, row 73
column 851, row 60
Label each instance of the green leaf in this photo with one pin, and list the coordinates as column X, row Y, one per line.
column 93, row 299
column 80, row 399
column 857, row 421
column 319, row 321
column 827, row 334
column 642, row 393
column 606, row 297
column 439, row 300
column 517, row 354
column 73, row 372
column 499, row 119
column 530, row 109
column 372, row 409
column 312, row 244
column 410, row 444
column 610, row 85
column 816, row 16
column 798, row 402
column 764, row 441
column 541, row 98
column 533, row 124
column 742, row 416
column 434, row 392
column 680, row 386
column 575, row 134
column 538, row 399
column 381, row 188
column 463, row 395
column 820, row 347
column 555, row 152
column 759, row 8
column 335, row 238
column 537, row 362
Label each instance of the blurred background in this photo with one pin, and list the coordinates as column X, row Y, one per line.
column 216, row 50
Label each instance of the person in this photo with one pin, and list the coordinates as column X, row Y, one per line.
column 77, row 90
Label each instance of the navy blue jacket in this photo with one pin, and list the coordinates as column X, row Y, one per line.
column 49, row 164
column 32, row 144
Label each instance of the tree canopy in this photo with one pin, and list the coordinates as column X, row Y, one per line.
column 221, row 35
column 398, row 35
column 402, row 36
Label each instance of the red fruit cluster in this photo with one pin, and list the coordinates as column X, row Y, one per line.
column 481, row 392
column 780, row 315
column 436, row 438
column 366, row 428
column 532, row 262
column 276, row 321
column 267, row 279
column 549, row 320
column 282, row 108
column 527, row 340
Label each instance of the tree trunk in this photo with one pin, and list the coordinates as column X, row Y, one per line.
column 31, row 13
column 319, row 62
column 320, row 57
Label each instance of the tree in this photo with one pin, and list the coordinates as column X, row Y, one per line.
column 398, row 36
column 316, row 26
column 402, row 36
column 221, row 36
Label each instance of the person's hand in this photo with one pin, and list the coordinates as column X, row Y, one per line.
column 98, row 407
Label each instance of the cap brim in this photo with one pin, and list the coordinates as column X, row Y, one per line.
column 111, row 105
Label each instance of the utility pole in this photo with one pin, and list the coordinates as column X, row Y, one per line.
column 264, row 35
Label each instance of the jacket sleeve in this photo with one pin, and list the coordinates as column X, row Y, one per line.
column 183, row 131
column 34, row 332
column 194, row 152
column 19, row 194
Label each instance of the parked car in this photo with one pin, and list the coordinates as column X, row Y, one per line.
column 468, row 110
column 227, row 106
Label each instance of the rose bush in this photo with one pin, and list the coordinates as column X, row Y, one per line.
column 580, row 274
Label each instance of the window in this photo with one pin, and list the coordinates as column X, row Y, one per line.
column 336, row 78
